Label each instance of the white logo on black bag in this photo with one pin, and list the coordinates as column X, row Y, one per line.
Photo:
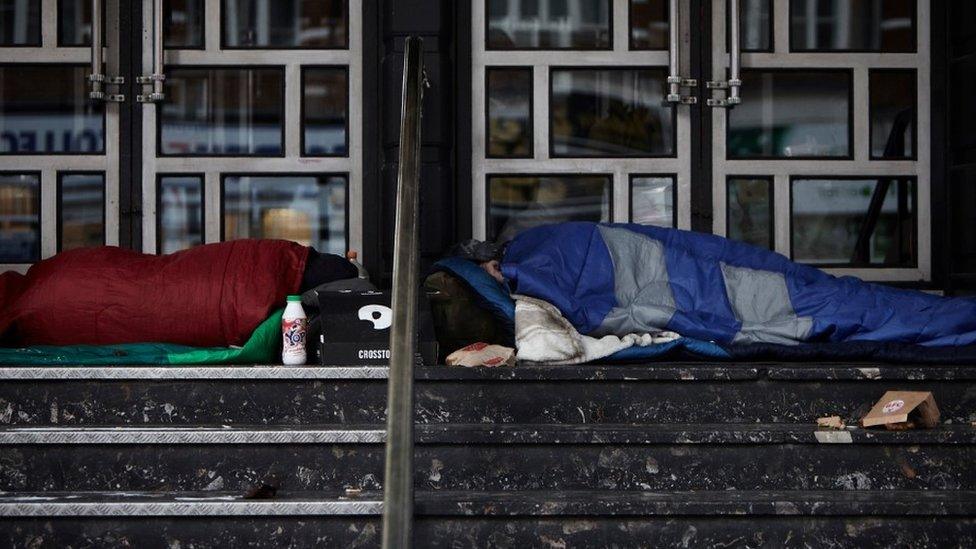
column 380, row 315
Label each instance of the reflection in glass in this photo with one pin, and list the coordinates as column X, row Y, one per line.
column 325, row 116
column 183, row 23
column 519, row 202
column 755, row 25
column 652, row 200
column 322, row 24
column 20, row 23
column 749, row 214
column 75, row 22
column 37, row 117
column 852, row 25
column 610, row 112
column 81, row 205
column 854, row 221
column 180, row 212
column 792, row 114
column 509, row 104
column 308, row 209
column 548, row 24
column 649, row 25
column 892, row 113
column 20, row 218
column 233, row 111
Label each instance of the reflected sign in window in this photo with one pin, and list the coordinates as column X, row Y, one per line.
column 273, row 24
column 20, row 23
column 548, row 25
column 308, row 209
column 81, row 210
column 518, row 202
column 749, row 215
column 652, row 200
column 325, row 111
column 610, row 113
column 508, row 118
column 852, row 25
column 37, row 117
column 179, row 212
column 792, row 114
column 222, row 112
column 20, row 217
column 855, row 221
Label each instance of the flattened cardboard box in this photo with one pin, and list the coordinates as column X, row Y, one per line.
column 903, row 409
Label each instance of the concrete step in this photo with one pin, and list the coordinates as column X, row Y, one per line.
column 478, row 457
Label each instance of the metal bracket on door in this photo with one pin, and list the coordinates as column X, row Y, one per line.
column 153, row 96
column 733, row 97
column 97, row 93
column 675, row 84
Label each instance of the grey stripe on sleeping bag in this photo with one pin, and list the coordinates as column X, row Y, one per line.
column 641, row 288
column 761, row 302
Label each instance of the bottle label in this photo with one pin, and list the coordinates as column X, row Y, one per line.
column 293, row 336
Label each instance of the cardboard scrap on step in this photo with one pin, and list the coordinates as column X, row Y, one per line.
column 898, row 410
column 482, row 354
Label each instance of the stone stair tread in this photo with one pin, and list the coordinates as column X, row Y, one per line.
column 453, row 433
column 500, row 503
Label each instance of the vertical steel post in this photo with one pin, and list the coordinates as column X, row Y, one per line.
column 398, row 493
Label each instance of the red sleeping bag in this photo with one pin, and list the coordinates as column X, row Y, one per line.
column 209, row 296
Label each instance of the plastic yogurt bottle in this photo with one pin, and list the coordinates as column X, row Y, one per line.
column 294, row 328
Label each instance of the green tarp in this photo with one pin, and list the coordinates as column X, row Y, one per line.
column 261, row 348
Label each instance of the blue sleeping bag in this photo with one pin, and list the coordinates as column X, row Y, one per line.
column 619, row 279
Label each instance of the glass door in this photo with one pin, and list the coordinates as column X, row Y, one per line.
column 59, row 167
column 826, row 159
column 252, row 127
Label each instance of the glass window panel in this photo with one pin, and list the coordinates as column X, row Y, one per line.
column 183, row 24
column 81, row 206
column 652, row 200
column 228, row 112
column 308, row 209
column 179, row 213
column 20, row 218
column 866, row 222
column 519, row 202
column 548, row 25
column 893, row 113
column 312, row 24
column 852, row 25
column 610, row 113
column 39, row 118
column 509, row 116
column 20, row 23
column 792, row 114
column 755, row 25
column 325, row 111
column 75, row 23
column 649, row 25
column 749, row 216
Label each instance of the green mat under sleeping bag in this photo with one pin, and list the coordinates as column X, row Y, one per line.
column 261, row 348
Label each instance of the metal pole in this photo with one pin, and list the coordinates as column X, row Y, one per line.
column 674, row 78
column 158, row 51
column 97, row 77
column 735, row 44
column 398, row 493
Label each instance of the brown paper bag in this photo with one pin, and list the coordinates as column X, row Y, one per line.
column 899, row 410
column 482, row 354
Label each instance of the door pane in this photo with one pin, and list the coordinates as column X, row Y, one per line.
column 750, row 210
column 39, row 118
column 272, row 24
column 548, row 25
column 81, row 206
column 792, row 114
column 652, row 200
column 183, row 24
column 518, row 202
column 852, row 25
column 610, row 113
column 509, row 116
column 325, row 111
column 308, row 209
column 222, row 112
column 20, row 23
column 75, row 22
column 649, row 25
column 179, row 213
column 893, row 113
column 755, row 25
column 869, row 222
column 20, row 217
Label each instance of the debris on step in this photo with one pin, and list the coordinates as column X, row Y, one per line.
column 831, row 422
column 482, row 354
column 904, row 410
column 266, row 489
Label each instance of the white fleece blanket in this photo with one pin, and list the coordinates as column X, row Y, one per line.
column 542, row 334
